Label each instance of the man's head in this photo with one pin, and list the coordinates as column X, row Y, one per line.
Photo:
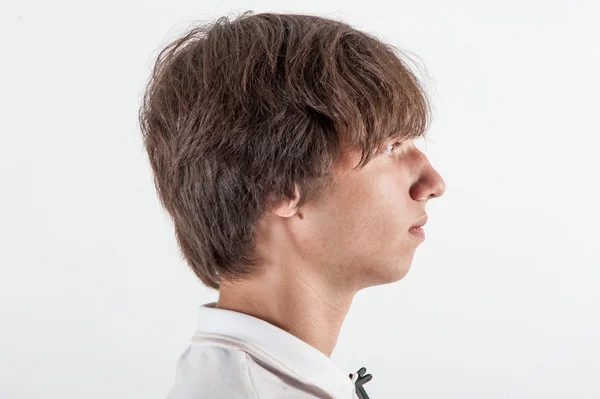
column 268, row 137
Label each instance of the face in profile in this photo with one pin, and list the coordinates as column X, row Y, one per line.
column 358, row 232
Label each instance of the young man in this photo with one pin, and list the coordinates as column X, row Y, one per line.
column 282, row 148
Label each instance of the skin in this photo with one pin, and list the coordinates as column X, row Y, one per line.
column 354, row 236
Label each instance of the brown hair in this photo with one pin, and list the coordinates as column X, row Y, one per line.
column 238, row 111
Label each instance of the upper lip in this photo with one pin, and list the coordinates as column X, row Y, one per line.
column 420, row 222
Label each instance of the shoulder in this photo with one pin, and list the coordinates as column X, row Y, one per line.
column 270, row 382
column 210, row 371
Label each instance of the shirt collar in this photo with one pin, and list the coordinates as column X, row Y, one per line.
column 288, row 350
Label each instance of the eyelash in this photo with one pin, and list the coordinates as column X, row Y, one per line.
column 393, row 145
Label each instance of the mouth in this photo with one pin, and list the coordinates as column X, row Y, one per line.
column 416, row 230
column 420, row 223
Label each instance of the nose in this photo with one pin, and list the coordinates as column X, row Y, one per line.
column 439, row 188
column 429, row 184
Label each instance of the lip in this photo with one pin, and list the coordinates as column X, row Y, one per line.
column 417, row 232
column 420, row 223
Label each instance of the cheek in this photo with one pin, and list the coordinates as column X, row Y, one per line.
column 387, row 214
column 347, row 222
column 368, row 218
column 367, row 210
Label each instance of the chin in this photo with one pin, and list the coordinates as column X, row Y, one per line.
column 401, row 273
column 397, row 273
column 394, row 274
column 379, row 270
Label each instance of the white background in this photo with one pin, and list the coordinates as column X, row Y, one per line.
column 502, row 299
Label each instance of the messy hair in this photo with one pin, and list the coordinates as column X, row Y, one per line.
column 238, row 111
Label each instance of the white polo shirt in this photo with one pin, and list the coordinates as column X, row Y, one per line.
column 233, row 355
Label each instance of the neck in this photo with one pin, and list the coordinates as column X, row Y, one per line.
column 303, row 306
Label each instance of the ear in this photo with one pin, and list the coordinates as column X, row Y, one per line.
column 288, row 206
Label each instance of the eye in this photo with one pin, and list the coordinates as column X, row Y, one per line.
column 390, row 148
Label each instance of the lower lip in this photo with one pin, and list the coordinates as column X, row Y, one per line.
column 417, row 232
